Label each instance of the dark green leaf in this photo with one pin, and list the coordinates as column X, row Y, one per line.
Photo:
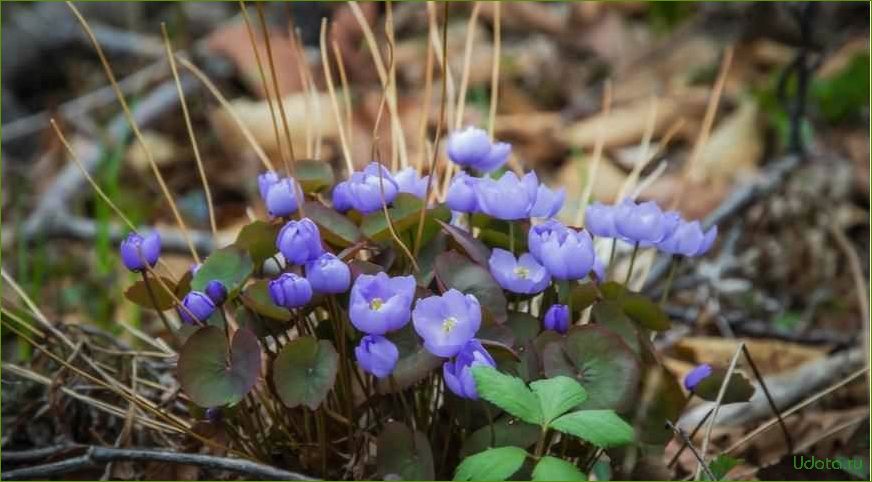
column 402, row 455
column 525, row 327
column 313, row 175
column 335, row 228
column 665, row 401
column 494, row 464
column 602, row 428
column 256, row 297
column 557, row 395
column 507, row 392
column 609, row 314
column 475, row 249
column 405, row 214
column 645, row 312
column 427, row 259
column 231, row 266
column 739, row 388
column 138, row 293
column 258, row 238
column 552, row 468
column 211, row 376
column 506, row 431
column 612, row 290
column 457, row 271
column 583, row 295
column 304, row 372
column 600, row 361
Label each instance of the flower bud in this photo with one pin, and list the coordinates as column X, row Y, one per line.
column 281, row 199
column 473, row 148
column 198, row 307
column 408, row 181
column 341, row 197
column 137, row 251
column 290, row 290
column 377, row 355
column 461, row 194
column 266, row 181
column 697, row 375
column 300, row 241
column 216, row 292
column 557, row 318
column 328, row 274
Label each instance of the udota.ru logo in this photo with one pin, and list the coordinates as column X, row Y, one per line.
column 841, row 463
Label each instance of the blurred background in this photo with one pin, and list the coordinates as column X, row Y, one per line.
column 757, row 116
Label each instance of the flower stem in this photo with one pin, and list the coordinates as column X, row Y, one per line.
column 632, row 263
column 611, row 259
column 540, row 445
column 673, row 267
column 490, row 421
column 153, row 299
column 512, row 237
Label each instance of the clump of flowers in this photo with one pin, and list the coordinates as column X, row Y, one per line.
column 494, row 285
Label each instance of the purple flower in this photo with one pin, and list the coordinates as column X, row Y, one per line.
column 567, row 254
column 686, row 240
column 365, row 188
column 707, row 241
column 557, row 318
column 328, row 274
column 196, row 305
column 461, row 193
column 539, row 233
column 599, row 220
column 458, row 372
column 342, row 197
column 299, row 241
column 447, row 322
column 216, row 291
column 523, row 276
column 640, row 223
column 266, row 181
column 410, row 182
column 548, row 202
column 281, row 198
column 290, row 290
column 697, row 375
column 380, row 303
column 472, row 147
column 508, row 198
column 377, row 355
column 137, row 251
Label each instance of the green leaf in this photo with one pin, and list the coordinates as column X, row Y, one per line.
column 525, row 327
column 612, row 290
column 313, row 175
column 506, row 431
column 258, row 238
column 598, row 359
column 405, row 214
column 552, row 468
column 494, row 464
column 138, row 293
column 211, row 376
column 602, row 428
column 304, row 372
column 507, row 392
column 739, row 389
column 231, row 266
column 335, row 228
column 475, row 249
column 721, row 465
column 645, row 312
column 404, row 455
column 666, row 401
column 583, row 295
column 557, row 396
column 256, row 297
column 457, row 271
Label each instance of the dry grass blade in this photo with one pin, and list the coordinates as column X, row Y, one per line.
column 197, row 158
column 718, row 401
column 495, row 71
column 597, row 154
column 467, row 59
column 325, row 62
column 246, row 132
column 346, row 91
column 275, row 80
column 129, row 116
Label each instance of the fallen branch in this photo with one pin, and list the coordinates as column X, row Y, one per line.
column 786, row 389
column 95, row 456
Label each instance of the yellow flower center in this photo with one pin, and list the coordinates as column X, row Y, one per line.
column 448, row 324
column 376, row 304
column 521, row 272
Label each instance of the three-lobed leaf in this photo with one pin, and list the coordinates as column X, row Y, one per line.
column 552, row 468
column 231, row 266
column 493, row 464
column 401, row 453
column 211, row 376
column 557, row 396
column 602, row 428
column 304, row 372
column 258, row 238
column 163, row 299
column 507, row 392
